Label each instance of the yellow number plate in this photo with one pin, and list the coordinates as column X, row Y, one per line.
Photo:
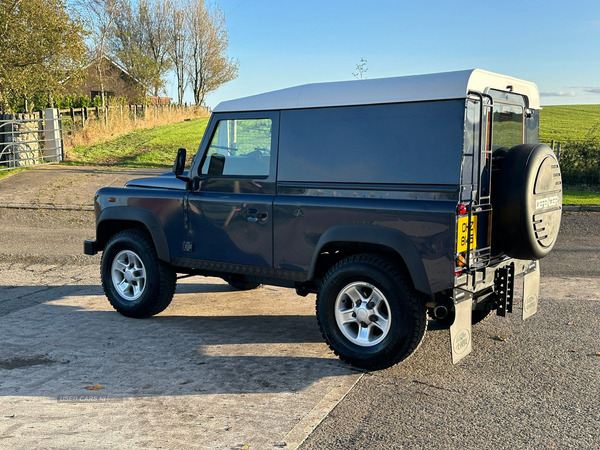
column 463, row 231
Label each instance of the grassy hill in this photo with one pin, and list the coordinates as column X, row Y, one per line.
column 568, row 122
column 154, row 147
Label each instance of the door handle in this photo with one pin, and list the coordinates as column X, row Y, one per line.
column 252, row 215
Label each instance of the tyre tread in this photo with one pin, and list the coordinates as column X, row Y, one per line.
column 167, row 277
column 415, row 302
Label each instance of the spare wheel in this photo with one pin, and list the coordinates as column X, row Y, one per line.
column 527, row 202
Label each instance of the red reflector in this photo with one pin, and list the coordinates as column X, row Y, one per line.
column 112, row 200
column 461, row 210
column 458, row 273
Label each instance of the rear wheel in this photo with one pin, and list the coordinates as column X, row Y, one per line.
column 135, row 281
column 369, row 313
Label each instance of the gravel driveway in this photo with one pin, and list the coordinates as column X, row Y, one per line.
column 230, row 370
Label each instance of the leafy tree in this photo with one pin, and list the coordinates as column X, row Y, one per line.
column 40, row 46
column 207, row 65
column 141, row 41
column 99, row 17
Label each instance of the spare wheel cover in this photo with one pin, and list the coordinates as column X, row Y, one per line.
column 527, row 202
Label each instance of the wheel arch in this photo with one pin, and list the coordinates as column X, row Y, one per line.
column 364, row 239
column 119, row 218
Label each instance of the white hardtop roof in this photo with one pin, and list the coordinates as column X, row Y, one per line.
column 436, row 86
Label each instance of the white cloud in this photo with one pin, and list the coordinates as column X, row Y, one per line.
column 592, row 90
column 558, row 94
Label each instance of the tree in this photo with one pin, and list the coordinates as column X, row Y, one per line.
column 361, row 68
column 156, row 40
column 208, row 65
column 141, row 41
column 99, row 16
column 40, row 46
column 179, row 43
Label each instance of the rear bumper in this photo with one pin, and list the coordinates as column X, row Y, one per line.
column 90, row 247
column 483, row 279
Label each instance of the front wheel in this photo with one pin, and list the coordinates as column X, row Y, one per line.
column 369, row 313
column 136, row 283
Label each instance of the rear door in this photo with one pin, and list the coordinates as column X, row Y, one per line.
column 231, row 211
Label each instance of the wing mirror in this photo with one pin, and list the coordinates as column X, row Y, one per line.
column 179, row 165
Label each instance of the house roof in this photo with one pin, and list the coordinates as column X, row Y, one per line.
column 114, row 63
column 437, row 86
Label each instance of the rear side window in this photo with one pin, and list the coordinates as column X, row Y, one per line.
column 240, row 147
column 411, row 143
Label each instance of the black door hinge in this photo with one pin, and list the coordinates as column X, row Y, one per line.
column 188, row 246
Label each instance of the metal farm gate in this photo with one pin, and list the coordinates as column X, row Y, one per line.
column 30, row 139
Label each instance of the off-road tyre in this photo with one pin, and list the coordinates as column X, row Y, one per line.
column 408, row 319
column 161, row 278
column 241, row 286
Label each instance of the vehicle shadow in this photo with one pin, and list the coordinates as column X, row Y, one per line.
column 67, row 338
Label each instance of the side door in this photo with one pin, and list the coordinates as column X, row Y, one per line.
column 230, row 208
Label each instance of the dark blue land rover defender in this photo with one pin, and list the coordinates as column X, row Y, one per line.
column 388, row 198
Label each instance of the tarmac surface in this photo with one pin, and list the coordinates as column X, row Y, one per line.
column 226, row 369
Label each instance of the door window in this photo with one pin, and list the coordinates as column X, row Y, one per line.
column 240, row 147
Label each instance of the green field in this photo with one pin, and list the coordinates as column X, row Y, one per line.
column 154, row 147
column 570, row 122
column 580, row 198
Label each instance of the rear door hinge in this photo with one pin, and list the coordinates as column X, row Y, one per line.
column 188, row 246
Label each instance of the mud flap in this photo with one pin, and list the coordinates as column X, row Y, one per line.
column 460, row 331
column 531, row 292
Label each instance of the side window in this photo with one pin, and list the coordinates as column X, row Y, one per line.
column 240, row 147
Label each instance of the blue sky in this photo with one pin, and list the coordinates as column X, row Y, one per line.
column 281, row 43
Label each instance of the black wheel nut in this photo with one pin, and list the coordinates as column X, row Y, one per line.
column 353, row 314
column 373, row 318
column 370, row 305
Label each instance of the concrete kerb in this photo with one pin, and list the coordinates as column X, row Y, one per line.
column 582, row 208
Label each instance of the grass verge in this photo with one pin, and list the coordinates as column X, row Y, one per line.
column 153, row 147
column 580, row 198
column 6, row 173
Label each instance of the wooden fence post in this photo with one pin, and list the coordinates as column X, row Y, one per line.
column 134, row 113
column 106, row 116
column 558, row 151
column 73, row 115
column 84, row 112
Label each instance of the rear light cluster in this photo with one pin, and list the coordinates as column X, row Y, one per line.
column 461, row 209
